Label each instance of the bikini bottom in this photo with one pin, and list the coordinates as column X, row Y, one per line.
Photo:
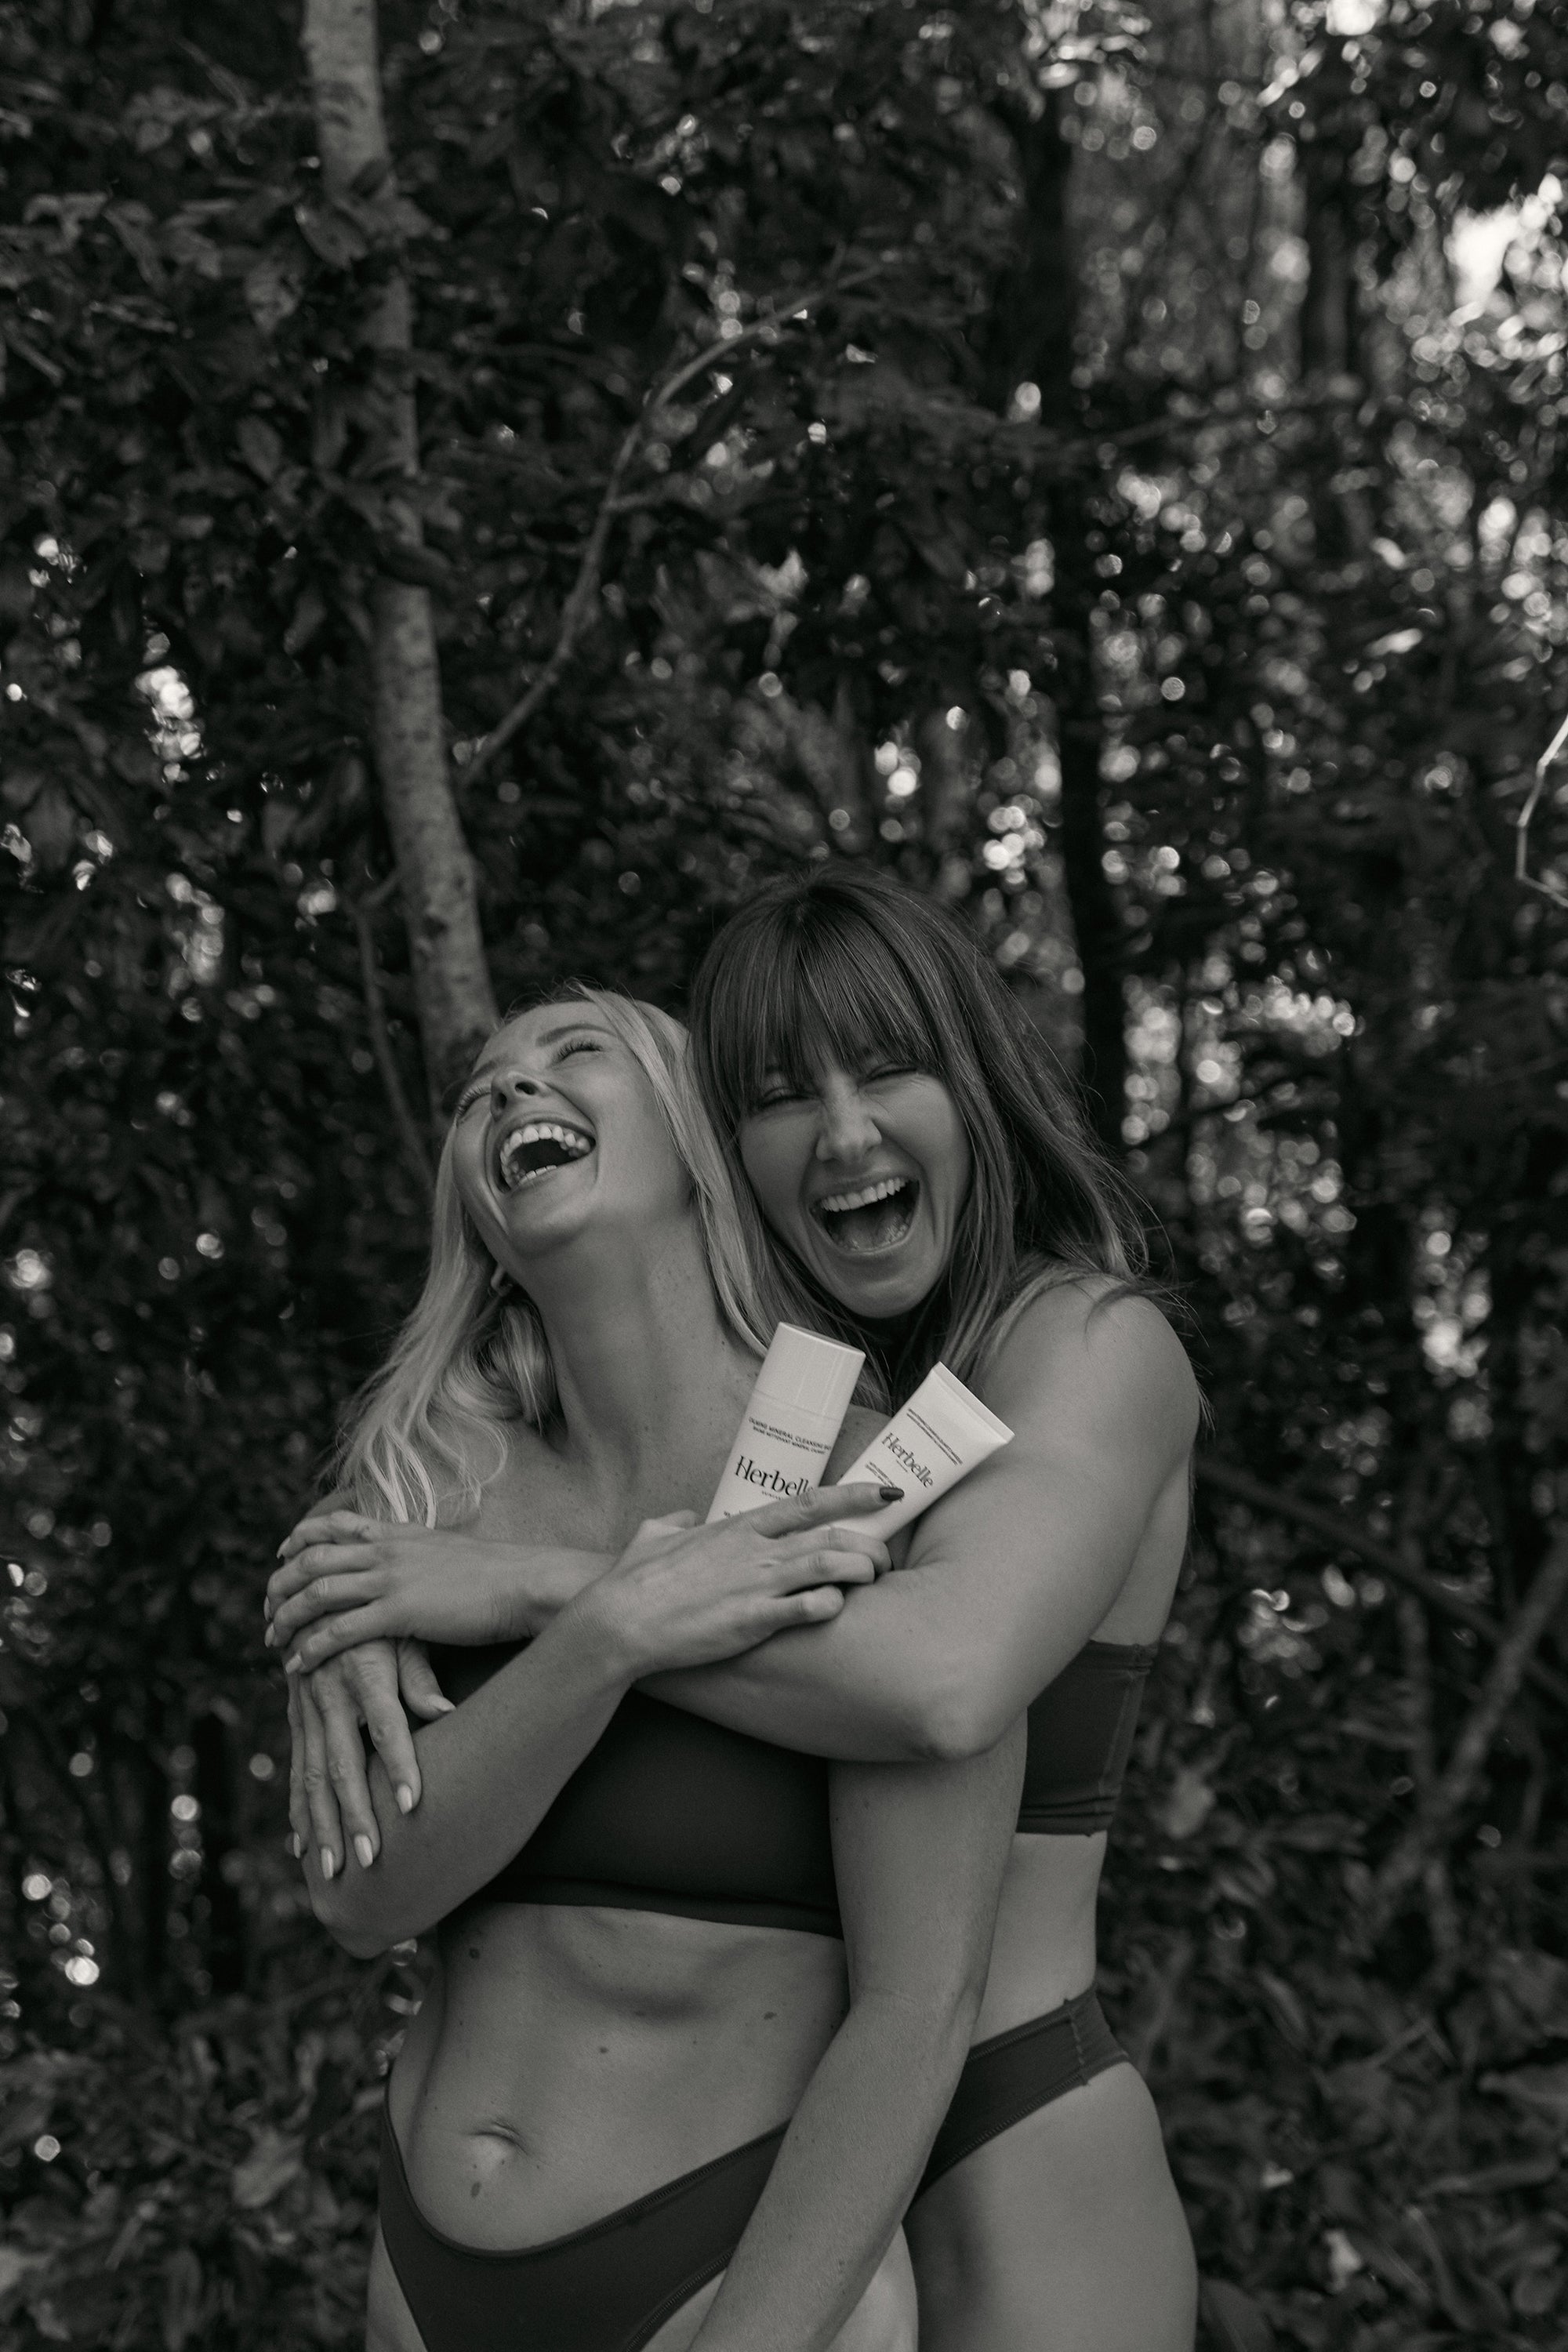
column 1008, row 2077
column 607, row 2288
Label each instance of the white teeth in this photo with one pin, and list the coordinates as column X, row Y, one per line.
column 540, row 1131
column 838, row 1202
column 571, row 1139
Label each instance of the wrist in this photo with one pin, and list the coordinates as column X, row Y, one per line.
column 595, row 1627
column 521, row 1612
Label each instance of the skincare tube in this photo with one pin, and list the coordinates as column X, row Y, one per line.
column 788, row 1429
column 932, row 1442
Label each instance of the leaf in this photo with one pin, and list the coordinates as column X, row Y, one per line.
column 419, row 567
column 1233, row 2321
column 272, row 291
column 51, row 827
column 1544, row 2088
column 260, row 447
column 1188, row 1804
column 273, row 2162
column 15, row 592
column 14, row 2265
column 181, row 2298
column 330, row 233
column 1285, row 2008
column 309, row 613
column 21, row 786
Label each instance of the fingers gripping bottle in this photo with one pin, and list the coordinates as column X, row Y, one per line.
column 793, row 1416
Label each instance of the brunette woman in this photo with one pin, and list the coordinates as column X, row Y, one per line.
column 639, row 1973
column 930, row 1189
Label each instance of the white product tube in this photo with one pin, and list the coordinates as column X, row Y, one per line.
column 788, row 1428
column 932, row 1442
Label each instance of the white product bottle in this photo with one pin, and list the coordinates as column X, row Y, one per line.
column 942, row 1434
column 788, row 1428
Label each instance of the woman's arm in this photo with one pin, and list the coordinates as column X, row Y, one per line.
column 529, row 1727
column 1008, row 1574
column 370, row 1579
column 526, row 1730
column 918, row 1853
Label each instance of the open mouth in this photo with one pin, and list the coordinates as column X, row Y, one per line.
column 867, row 1217
column 537, row 1150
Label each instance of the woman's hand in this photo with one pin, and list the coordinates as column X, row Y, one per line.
column 329, row 1793
column 372, row 1579
column 683, row 1595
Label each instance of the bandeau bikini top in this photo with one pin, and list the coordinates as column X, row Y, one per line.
column 668, row 1812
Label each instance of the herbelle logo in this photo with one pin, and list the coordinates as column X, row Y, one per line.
column 756, row 1475
column 906, row 1460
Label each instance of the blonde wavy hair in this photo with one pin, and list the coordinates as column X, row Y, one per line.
column 429, row 1431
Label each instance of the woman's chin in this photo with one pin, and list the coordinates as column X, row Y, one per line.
column 878, row 1283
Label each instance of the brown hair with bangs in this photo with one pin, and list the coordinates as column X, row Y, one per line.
column 848, row 966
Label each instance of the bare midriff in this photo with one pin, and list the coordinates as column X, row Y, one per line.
column 567, row 2061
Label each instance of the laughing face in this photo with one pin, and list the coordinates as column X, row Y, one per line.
column 863, row 1174
column 557, row 1125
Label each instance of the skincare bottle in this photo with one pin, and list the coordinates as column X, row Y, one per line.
column 934, row 1441
column 788, row 1428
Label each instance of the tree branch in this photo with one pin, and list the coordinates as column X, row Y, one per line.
column 1344, row 1535
column 1457, row 1784
column 403, row 1119
column 585, row 588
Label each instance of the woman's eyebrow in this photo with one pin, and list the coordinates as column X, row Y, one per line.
column 571, row 1029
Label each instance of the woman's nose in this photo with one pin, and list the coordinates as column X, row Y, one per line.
column 848, row 1130
column 509, row 1087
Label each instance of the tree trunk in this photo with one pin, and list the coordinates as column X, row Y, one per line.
column 1329, row 323
column 435, row 875
column 1033, row 318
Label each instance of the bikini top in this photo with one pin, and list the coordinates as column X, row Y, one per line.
column 671, row 1813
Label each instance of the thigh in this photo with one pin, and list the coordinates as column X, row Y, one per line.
column 884, row 2320
column 1064, row 2233
column 389, row 2323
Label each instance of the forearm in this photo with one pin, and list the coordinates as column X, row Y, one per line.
column 524, row 1732
column 850, row 2162
column 919, row 1853
column 896, row 1678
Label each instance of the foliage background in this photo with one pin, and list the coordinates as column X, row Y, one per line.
column 1153, row 539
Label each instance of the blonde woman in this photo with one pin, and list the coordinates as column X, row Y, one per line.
column 645, row 1968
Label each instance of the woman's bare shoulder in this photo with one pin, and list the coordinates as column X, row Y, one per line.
column 1091, row 1336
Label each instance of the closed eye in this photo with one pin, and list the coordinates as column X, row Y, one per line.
column 476, row 1091
column 578, row 1045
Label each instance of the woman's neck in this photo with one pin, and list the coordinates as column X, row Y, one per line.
column 646, row 1368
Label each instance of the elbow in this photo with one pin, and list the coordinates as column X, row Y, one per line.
column 361, row 1943
column 358, row 1927
column 953, row 1721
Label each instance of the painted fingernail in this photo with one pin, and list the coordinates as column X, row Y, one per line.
column 296, row 1845
column 365, row 1851
column 891, row 1494
column 445, row 1705
column 405, row 1800
column 291, row 1665
column 267, row 1608
column 328, row 1863
column 269, row 1638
